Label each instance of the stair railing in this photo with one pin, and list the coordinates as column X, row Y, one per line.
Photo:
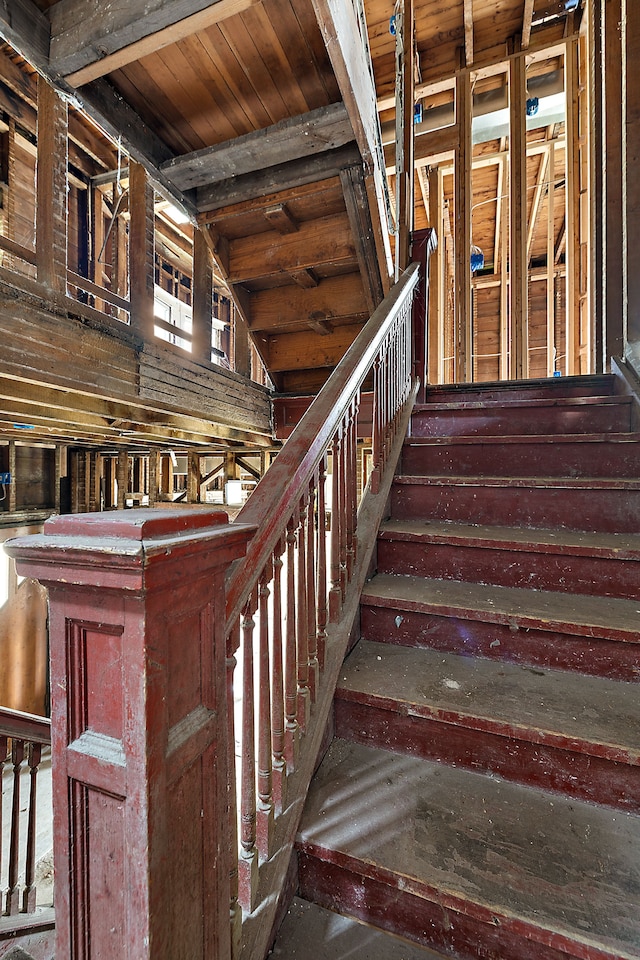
column 22, row 739
column 286, row 599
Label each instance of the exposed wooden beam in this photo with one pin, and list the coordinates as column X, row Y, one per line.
column 90, row 39
column 463, row 200
column 279, row 217
column 318, row 131
column 304, row 278
column 551, row 299
column 527, row 19
column 518, row 273
column 542, row 181
column 468, row 31
column 357, row 204
column 26, row 28
column 285, row 176
column 337, row 298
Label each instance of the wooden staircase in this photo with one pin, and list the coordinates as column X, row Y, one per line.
column 482, row 794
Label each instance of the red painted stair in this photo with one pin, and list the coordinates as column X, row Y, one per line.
column 482, row 794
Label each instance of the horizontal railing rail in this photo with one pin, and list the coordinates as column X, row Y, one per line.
column 22, row 738
column 286, row 598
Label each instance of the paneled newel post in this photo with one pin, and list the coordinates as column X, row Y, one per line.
column 139, row 730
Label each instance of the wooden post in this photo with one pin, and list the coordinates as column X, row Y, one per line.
column 436, row 282
column 424, row 243
column 631, row 188
column 572, row 242
column 202, row 297
column 241, row 351
column 154, row 477
column 141, row 250
column 596, row 173
column 139, row 730
column 551, row 284
column 12, row 488
column 518, row 264
column 51, row 188
column 612, row 213
column 193, row 477
column 405, row 83
column 122, row 476
column 463, row 323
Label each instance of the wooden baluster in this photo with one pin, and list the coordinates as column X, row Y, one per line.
column 3, row 758
column 335, row 593
column 29, row 894
column 264, row 826
column 350, row 481
column 302, row 626
column 13, row 898
column 248, row 861
column 277, row 685
column 235, row 912
column 322, row 563
column 291, row 669
column 376, row 439
column 354, row 481
column 312, row 635
column 344, row 486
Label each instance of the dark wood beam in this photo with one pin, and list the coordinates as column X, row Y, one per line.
column 26, row 28
column 284, row 176
column 357, row 204
column 280, row 218
column 90, row 39
column 291, row 139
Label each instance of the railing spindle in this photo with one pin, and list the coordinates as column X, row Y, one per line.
column 344, row 482
column 312, row 635
column 13, row 897
column 235, row 912
column 322, row 562
column 3, row 758
column 335, row 594
column 302, row 625
column 248, row 853
column 265, row 794
column 291, row 668
column 29, row 894
column 277, row 684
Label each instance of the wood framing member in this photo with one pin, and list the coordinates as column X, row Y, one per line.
column 51, row 210
column 468, row 32
column 90, row 39
column 202, row 297
column 357, row 204
column 527, row 19
column 631, row 187
column 463, row 321
column 551, row 292
column 541, row 183
column 281, row 177
column 141, row 251
column 436, row 280
column 596, row 163
column 309, row 134
column 518, row 266
column 572, row 243
column 26, row 28
column 612, row 214
column 405, row 85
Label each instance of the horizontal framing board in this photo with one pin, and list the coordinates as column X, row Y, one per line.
column 295, row 351
column 339, row 297
column 325, row 128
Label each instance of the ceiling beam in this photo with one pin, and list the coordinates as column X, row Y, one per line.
column 527, row 20
column 90, row 39
column 26, row 28
column 325, row 128
column 468, row 31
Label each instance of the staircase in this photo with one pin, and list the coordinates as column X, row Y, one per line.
column 482, row 794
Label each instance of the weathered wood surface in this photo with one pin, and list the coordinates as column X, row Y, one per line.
column 60, row 370
column 320, row 130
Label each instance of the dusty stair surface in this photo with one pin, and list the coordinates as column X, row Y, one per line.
column 482, row 794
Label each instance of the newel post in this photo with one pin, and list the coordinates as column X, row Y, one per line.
column 424, row 242
column 139, row 730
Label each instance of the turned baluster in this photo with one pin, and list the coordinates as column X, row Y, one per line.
column 248, row 855
column 265, row 798
column 13, row 898
column 322, row 563
column 235, row 911
column 312, row 635
column 29, row 894
column 335, row 593
column 376, row 439
column 291, row 668
column 344, row 493
column 3, row 758
column 302, row 625
column 277, row 684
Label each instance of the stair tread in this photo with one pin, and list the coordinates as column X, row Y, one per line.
column 621, row 545
column 491, row 405
column 563, row 483
column 592, row 715
column 610, row 617
column 311, row 931
column 526, row 438
column 566, row 870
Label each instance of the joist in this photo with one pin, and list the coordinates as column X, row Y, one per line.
column 310, row 134
column 336, row 298
column 90, row 39
column 308, row 350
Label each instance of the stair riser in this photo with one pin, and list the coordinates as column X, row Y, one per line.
column 600, row 657
column 560, row 768
column 559, row 388
column 608, row 418
column 610, row 577
column 432, row 923
column 600, row 511
column 526, row 459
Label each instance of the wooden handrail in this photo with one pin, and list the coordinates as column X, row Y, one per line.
column 18, row 250
column 286, row 478
column 26, row 726
column 97, row 291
